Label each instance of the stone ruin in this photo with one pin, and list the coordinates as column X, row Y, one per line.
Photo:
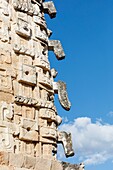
column 28, row 116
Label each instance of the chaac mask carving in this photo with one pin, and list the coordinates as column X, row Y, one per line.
column 28, row 117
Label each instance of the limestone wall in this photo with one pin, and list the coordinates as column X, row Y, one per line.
column 28, row 116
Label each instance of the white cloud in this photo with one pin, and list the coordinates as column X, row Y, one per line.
column 92, row 142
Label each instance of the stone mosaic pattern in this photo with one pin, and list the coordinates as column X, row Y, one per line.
column 28, row 117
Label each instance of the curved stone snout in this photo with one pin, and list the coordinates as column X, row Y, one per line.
column 60, row 89
column 66, row 140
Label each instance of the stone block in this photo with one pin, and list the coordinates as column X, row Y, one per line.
column 23, row 28
column 4, row 158
column 26, row 7
column 48, row 114
column 48, row 132
column 27, row 74
column 6, row 139
column 4, row 167
column 29, row 162
column 16, row 160
column 6, row 84
column 45, row 80
column 28, row 135
column 41, row 35
column 56, row 165
column 43, row 164
column 21, row 169
column 7, row 111
column 40, row 21
column 29, row 124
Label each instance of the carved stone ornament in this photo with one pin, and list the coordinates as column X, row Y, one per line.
column 62, row 95
column 23, row 28
column 66, row 140
column 28, row 117
column 27, row 74
column 50, row 9
column 55, row 45
column 27, row 7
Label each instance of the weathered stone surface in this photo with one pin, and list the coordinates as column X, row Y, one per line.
column 65, row 139
column 28, row 117
column 55, row 45
column 50, row 9
column 27, row 74
column 56, row 165
column 29, row 124
column 68, row 166
column 60, row 88
column 21, row 169
column 29, row 162
column 16, row 160
column 28, row 135
column 42, row 164
column 28, row 7
column 4, row 158
column 62, row 94
column 4, row 167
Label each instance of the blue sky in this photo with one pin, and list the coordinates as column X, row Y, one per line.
column 85, row 29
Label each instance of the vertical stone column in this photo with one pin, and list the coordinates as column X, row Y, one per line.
column 28, row 117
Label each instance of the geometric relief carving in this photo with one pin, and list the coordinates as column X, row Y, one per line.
column 6, row 139
column 48, row 132
column 41, row 35
column 25, row 100
column 42, row 61
column 28, row 135
column 39, row 20
column 47, row 114
column 21, row 49
column 29, row 124
column 4, row 29
column 66, row 140
column 26, row 6
column 6, row 111
column 34, row 102
column 23, row 28
column 5, row 54
column 45, row 79
column 27, row 74
column 5, row 7
column 5, row 83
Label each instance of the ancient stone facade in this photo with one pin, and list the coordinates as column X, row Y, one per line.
column 28, row 117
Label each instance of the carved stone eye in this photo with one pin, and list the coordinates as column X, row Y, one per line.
column 26, row 72
column 28, row 129
column 25, row 28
